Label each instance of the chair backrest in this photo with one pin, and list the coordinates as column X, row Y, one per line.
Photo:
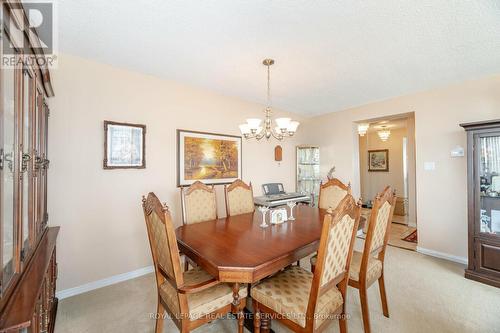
column 239, row 198
column 380, row 223
column 335, row 252
column 331, row 193
column 164, row 250
column 199, row 203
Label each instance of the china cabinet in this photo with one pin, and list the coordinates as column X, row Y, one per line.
column 308, row 177
column 28, row 267
column 483, row 164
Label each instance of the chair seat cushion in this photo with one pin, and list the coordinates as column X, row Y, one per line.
column 206, row 301
column 373, row 272
column 287, row 293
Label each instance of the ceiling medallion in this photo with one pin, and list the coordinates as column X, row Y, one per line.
column 284, row 127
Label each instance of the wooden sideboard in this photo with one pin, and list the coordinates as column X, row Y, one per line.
column 28, row 268
column 33, row 303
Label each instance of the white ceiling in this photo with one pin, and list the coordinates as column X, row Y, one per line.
column 330, row 54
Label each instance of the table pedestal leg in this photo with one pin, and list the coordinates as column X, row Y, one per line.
column 237, row 309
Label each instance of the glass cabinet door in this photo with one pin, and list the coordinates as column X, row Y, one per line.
column 39, row 162
column 308, row 177
column 26, row 167
column 489, row 180
column 8, row 172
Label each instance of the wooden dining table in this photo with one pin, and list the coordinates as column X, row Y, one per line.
column 237, row 250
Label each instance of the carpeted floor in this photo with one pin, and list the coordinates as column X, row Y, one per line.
column 425, row 294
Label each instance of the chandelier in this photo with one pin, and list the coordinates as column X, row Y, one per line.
column 384, row 134
column 284, row 127
column 363, row 129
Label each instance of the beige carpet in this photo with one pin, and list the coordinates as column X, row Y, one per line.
column 425, row 295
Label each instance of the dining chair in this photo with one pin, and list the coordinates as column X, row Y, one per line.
column 331, row 194
column 239, row 198
column 305, row 301
column 190, row 298
column 199, row 204
column 368, row 267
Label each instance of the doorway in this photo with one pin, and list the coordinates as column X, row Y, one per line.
column 387, row 157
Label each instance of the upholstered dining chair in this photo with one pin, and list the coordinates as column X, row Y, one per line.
column 305, row 301
column 331, row 194
column 199, row 204
column 239, row 198
column 190, row 298
column 368, row 267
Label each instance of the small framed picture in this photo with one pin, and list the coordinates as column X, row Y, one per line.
column 124, row 145
column 278, row 215
column 378, row 160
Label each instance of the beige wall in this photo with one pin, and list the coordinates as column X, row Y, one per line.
column 373, row 182
column 441, row 193
column 99, row 211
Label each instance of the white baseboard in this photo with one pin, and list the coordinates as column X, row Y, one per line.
column 103, row 283
column 441, row 255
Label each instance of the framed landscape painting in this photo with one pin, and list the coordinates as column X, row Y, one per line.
column 208, row 157
column 378, row 160
column 124, row 145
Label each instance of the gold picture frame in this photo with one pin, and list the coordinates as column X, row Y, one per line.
column 211, row 158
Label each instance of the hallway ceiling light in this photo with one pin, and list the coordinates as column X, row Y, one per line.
column 363, row 129
column 254, row 128
column 384, row 134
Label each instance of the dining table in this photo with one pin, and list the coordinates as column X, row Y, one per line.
column 237, row 250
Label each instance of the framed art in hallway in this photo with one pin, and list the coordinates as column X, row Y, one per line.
column 208, row 157
column 124, row 145
column 378, row 160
